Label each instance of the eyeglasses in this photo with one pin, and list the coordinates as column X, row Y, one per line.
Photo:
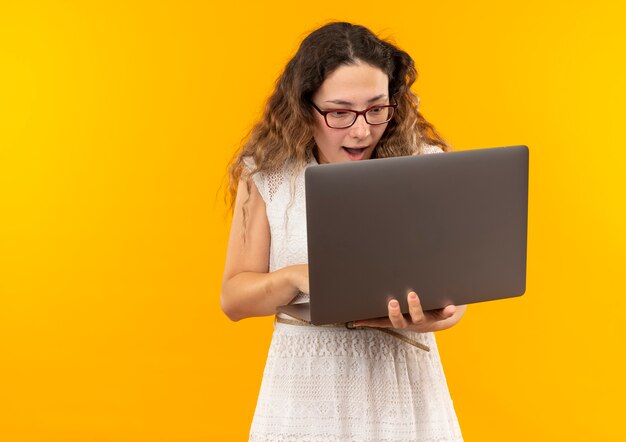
column 344, row 118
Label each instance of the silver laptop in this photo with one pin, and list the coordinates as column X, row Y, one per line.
column 452, row 227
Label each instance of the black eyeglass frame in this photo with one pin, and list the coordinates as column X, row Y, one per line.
column 357, row 113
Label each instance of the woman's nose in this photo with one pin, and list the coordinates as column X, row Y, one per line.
column 360, row 128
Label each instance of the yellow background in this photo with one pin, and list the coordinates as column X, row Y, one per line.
column 117, row 120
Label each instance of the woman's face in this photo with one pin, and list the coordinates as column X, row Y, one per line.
column 357, row 87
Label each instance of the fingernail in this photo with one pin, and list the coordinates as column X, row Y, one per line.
column 412, row 296
column 394, row 304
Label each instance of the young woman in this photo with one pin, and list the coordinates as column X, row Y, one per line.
column 345, row 96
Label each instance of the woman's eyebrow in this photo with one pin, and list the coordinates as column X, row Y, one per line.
column 349, row 103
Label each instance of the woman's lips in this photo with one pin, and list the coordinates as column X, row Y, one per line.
column 355, row 153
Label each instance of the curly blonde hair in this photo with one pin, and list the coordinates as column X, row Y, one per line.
column 284, row 135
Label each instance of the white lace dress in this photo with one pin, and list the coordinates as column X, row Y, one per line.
column 324, row 384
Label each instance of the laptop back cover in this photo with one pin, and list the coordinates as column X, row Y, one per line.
column 450, row 226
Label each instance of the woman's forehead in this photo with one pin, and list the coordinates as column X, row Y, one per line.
column 353, row 84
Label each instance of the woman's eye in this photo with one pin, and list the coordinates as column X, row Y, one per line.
column 376, row 110
column 338, row 114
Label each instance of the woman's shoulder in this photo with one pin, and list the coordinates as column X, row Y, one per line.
column 273, row 181
column 287, row 168
column 428, row 149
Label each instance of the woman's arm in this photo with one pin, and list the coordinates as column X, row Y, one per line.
column 248, row 288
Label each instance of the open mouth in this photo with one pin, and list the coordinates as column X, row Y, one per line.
column 355, row 153
column 354, row 150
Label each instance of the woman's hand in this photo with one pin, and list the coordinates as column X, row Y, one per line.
column 417, row 319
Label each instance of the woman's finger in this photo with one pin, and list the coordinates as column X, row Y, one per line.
column 449, row 311
column 441, row 314
column 415, row 308
column 395, row 315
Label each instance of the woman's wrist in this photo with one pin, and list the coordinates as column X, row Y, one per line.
column 291, row 276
